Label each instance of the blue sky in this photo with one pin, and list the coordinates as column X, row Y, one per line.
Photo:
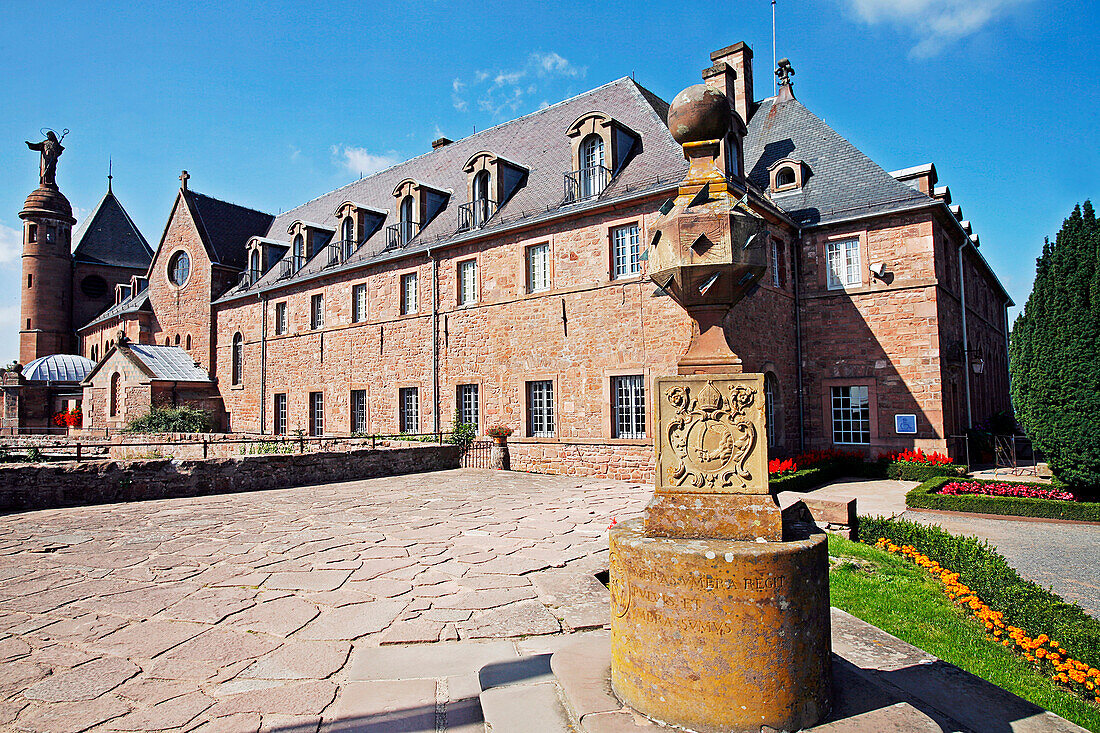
column 271, row 104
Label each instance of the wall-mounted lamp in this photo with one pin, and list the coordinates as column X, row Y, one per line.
column 978, row 365
column 878, row 269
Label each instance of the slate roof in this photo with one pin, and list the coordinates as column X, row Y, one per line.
column 58, row 368
column 136, row 302
column 225, row 228
column 843, row 182
column 537, row 141
column 169, row 363
column 108, row 236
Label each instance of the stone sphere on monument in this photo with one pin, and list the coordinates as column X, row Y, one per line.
column 699, row 113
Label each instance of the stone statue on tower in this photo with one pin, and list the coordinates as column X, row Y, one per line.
column 50, row 149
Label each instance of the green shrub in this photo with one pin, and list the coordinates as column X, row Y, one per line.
column 910, row 471
column 1055, row 353
column 926, row 496
column 463, row 435
column 266, row 447
column 1023, row 603
column 34, row 455
column 172, row 420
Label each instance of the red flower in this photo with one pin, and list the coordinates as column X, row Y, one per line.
column 1025, row 491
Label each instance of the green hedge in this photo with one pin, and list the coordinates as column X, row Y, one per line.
column 988, row 574
column 925, row 496
column 910, row 471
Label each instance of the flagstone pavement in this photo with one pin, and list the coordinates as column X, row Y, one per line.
column 367, row 605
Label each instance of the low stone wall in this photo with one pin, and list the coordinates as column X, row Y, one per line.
column 619, row 461
column 68, row 483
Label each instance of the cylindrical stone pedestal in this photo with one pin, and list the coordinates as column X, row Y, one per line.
column 720, row 635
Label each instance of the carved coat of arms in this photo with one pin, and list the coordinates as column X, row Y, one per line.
column 712, row 432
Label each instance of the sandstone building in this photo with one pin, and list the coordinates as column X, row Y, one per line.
column 501, row 279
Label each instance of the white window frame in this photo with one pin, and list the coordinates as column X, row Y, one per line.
column 628, row 407
column 540, row 408
column 279, row 417
column 410, row 301
column 850, row 427
column 626, row 251
column 280, row 318
column 843, row 263
column 358, row 400
column 769, row 409
column 773, row 261
column 409, row 409
column 538, row 267
column 358, row 303
column 468, row 404
column 467, row 282
column 317, row 311
column 316, row 413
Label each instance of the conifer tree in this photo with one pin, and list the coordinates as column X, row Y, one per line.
column 1055, row 353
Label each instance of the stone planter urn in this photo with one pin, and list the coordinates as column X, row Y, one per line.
column 498, row 454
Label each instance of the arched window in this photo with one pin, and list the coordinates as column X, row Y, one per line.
column 733, row 158
column 482, row 212
column 347, row 233
column 771, row 408
column 167, row 341
column 407, row 223
column 179, row 268
column 188, row 342
column 253, row 266
column 177, row 339
column 299, row 253
column 238, row 358
column 785, row 177
column 113, row 398
column 94, row 355
column 593, row 174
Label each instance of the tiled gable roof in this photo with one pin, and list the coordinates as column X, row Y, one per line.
column 843, row 182
column 109, row 237
column 225, row 228
column 137, row 302
column 537, row 141
column 169, row 363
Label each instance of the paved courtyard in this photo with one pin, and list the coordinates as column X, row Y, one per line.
column 297, row 609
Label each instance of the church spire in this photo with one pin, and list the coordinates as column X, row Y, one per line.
column 110, row 166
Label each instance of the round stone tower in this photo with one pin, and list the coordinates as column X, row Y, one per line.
column 46, row 305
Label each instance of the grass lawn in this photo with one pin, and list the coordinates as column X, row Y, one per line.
column 904, row 600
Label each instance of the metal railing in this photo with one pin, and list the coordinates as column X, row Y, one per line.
column 338, row 252
column 82, row 450
column 475, row 214
column 401, row 233
column 586, row 183
column 478, row 454
column 1014, row 453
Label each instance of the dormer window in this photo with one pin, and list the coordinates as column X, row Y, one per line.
column 490, row 182
column 299, row 252
column 733, row 158
column 601, row 147
column 357, row 224
column 254, row 266
column 417, row 205
column 788, row 174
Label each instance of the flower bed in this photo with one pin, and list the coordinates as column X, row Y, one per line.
column 809, row 470
column 1045, row 653
column 1024, row 491
column 1001, row 497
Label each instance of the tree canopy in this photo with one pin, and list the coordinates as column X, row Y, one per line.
column 1055, row 353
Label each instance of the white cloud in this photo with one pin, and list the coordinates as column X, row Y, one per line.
column 935, row 23
column 362, row 162
column 504, row 91
column 11, row 244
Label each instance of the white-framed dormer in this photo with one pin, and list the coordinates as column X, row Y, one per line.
column 356, row 224
column 600, row 146
column 490, row 182
column 261, row 255
column 417, row 204
column 787, row 174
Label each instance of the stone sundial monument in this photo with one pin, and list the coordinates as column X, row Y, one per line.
column 720, row 621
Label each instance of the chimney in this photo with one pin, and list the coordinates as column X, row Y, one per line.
column 436, row 144
column 731, row 74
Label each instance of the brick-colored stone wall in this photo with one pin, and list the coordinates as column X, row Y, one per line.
column 44, row 486
column 85, row 307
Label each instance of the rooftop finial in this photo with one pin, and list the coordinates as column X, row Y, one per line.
column 110, row 171
column 183, row 180
column 784, row 71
